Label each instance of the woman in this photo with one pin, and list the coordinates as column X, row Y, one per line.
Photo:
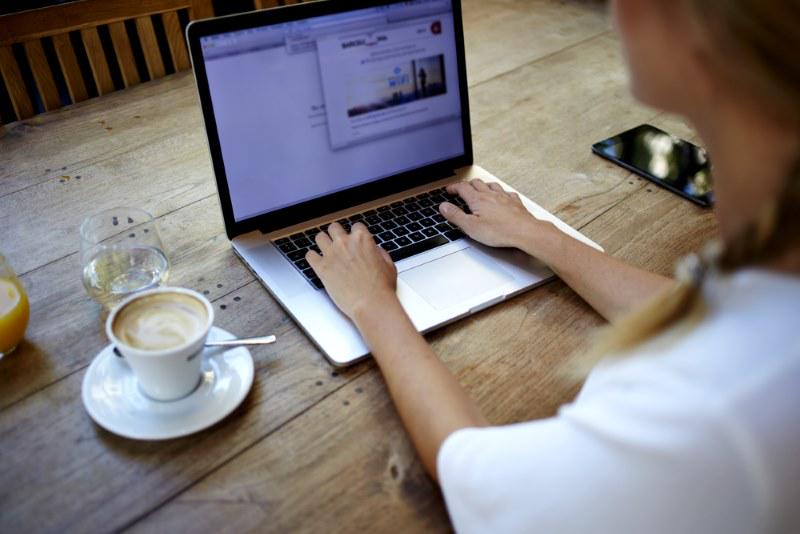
column 697, row 428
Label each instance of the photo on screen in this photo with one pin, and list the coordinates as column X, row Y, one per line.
column 406, row 82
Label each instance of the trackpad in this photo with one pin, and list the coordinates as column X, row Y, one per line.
column 456, row 278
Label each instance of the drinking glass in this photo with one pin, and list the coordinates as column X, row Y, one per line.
column 121, row 254
column 14, row 309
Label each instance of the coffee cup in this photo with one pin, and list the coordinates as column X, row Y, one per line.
column 161, row 333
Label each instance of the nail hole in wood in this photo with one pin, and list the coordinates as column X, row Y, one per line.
column 222, row 306
column 237, row 299
column 394, row 471
column 219, row 286
column 319, row 382
column 346, row 403
column 359, row 390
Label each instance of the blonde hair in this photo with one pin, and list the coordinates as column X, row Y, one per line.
column 763, row 36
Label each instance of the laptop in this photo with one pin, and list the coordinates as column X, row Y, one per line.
column 350, row 111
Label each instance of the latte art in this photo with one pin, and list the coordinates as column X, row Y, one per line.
column 161, row 321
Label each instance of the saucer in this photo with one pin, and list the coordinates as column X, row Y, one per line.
column 113, row 399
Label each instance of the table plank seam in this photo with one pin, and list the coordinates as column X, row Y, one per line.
column 255, row 442
column 541, row 58
column 88, row 163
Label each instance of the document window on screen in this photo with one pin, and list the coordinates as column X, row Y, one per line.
column 307, row 108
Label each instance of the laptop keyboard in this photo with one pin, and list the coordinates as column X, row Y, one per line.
column 404, row 228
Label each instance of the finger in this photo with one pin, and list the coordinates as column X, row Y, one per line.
column 314, row 260
column 336, row 231
column 323, row 241
column 359, row 228
column 497, row 188
column 385, row 255
column 463, row 189
column 455, row 215
column 479, row 185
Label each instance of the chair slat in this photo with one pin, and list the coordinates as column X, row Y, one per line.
column 97, row 60
column 261, row 4
column 14, row 84
column 42, row 75
column 122, row 48
column 152, row 55
column 177, row 44
column 201, row 9
column 69, row 66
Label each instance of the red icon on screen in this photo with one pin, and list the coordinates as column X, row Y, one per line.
column 436, row 28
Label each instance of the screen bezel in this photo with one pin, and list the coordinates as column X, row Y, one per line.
column 706, row 201
column 339, row 200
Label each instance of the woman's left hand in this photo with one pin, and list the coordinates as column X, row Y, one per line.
column 358, row 275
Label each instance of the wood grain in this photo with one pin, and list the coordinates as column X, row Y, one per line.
column 15, row 85
column 97, row 60
column 312, row 448
column 152, row 54
column 42, row 75
column 177, row 43
column 80, row 15
column 124, row 53
column 65, row 53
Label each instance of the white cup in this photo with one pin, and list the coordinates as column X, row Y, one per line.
column 165, row 374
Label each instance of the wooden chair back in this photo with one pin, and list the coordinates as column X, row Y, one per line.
column 48, row 42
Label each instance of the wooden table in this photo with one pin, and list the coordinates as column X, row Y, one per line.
column 311, row 448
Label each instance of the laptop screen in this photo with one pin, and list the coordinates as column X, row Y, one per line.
column 315, row 106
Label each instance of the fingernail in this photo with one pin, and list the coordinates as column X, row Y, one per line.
column 444, row 206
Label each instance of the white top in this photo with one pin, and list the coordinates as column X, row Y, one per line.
column 699, row 431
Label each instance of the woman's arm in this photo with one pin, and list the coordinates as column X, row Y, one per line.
column 361, row 279
column 610, row 286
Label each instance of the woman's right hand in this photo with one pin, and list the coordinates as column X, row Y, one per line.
column 498, row 218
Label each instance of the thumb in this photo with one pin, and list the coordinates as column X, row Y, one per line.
column 455, row 215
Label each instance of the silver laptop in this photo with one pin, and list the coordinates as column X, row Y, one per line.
column 350, row 111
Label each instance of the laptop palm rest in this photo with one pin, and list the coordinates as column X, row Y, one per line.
column 457, row 278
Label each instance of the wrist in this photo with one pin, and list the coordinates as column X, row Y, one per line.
column 374, row 306
column 542, row 240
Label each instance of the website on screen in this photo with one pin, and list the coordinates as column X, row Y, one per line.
column 311, row 107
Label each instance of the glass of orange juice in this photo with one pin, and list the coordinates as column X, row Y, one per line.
column 14, row 309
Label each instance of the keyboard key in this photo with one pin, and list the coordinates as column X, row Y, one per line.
column 414, row 226
column 342, row 221
column 416, row 248
column 412, row 206
column 428, row 212
column 309, row 273
column 415, row 216
column 287, row 247
column 301, row 264
column 423, row 195
column 396, row 204
column 386, row 236
column 316, row 249
column 400, row 211
column 356, row 217
column 281, row 241
column 386, row 215
column 296, row 236
column 403, row 242
column 374, row 229
column 378, row 239
column 427, row 222
column 400, row 231
column 312, row 232
column 429, row 232
column 425, row 203
column 438, row 199
column 389, row 246
column 317, row 283
column 452, row 235
column 389, row 225
column 444, row 227
column 302, row 242
column 369, row 213
column 439, row 218
column 416, row 236
column 402, row 220
column 372, row 219
column 296, row 255
column 384, row 208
